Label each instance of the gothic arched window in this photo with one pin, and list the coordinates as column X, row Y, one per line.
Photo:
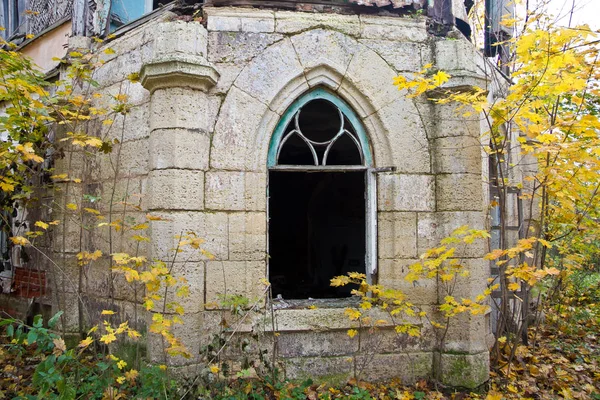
column 320, row 198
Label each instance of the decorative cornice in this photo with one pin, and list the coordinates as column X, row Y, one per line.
column 178, row 70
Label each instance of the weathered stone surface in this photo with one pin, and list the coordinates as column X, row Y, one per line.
column 235, row 191
column 457, row 155
column 465, row 370
column 380, row 367
column 193, row 273
column 317, row 48
column 433, row 227
column 401, row 29
column 459, row 192
column 270, row 72
column 458, row 57
column 188, row 38
column 178, row 70
column 401, row 55
column 124, row 44
column 235, row 277
column 239, row 20
column 120, row 67
column 236, row 127
column 398, row 192
column 131, row 126
column 179, row 149
column 228, row 73
column 405, row 136
column 397, row 235
column 408, row 367
column 294, row 22
column 188, row 333
column 135, row 92
column 316, row 344
column 392, row 274
column 450, row 122
column 176, row 189
column 324, row 319
column 211, row 227
column 336, row 370
column 239, row 47
column 475, row 282
column 130, row 160
column 247, row 236
column 183, row 108
column 372, row 77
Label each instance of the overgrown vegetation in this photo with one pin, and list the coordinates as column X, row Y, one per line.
column 547, row 114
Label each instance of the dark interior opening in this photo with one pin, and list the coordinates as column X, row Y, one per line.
column 316, row 231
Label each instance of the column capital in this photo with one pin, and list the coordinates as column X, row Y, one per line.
column 178, row 70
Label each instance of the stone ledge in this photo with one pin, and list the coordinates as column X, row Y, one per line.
column 178, row 71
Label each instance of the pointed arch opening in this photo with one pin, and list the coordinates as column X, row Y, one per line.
column 321, row 198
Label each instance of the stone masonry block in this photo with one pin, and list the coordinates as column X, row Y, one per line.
column 270, row 71
column 211, row 227
column 457, row 155
column 193, row 273
column 458, row 56
column 118, row 68
column 392, row 275
column 234, row 277
column 475, row 283
column 238, row 47
column 405, row 136
column 176, row 189
column 235, row 191
column 188, row 38
column 322, row 47
column 433, row 227
column 238, row 123
column 136, row 94
column 316, row 344
column 372, row 77
column 403, row 56
column 183, row 108
column 397, row 235
column 394, row 28
column 247, row 236
column 295, row 22
column 126, row 160
column 179, row 149
column 408, row 367
column 459, row 192
column 228, row 72
column 334, row 369
column 189, row 333
column 399, row 192
column 239, row 20
column 131, row 126
column 465, row 370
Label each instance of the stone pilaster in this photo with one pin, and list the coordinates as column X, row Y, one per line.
column 181, row 119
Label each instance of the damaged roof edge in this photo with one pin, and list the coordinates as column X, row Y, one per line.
column 440, row 12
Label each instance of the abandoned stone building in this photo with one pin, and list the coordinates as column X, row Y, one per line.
column 273, row 130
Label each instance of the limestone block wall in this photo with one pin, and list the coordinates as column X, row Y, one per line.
column 195, row 147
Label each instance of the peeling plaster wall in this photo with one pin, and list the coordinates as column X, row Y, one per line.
column 195, row 144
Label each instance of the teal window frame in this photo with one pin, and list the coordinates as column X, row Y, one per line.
column 368, row 166
column 286, row 118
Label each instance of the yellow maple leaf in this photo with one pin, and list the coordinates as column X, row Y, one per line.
column 108, row 338
column 19, row 240
column 42, row 225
